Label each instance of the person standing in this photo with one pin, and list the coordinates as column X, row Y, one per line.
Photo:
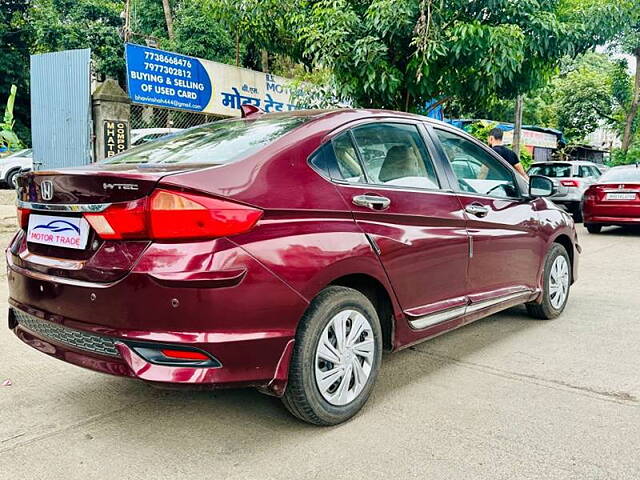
column 495, row 142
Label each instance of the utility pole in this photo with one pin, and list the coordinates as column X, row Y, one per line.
column 167, row 18
column 517, row 126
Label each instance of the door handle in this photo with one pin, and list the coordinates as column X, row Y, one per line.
column 374, row 202
column 477, row 210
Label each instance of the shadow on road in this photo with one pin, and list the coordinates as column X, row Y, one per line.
column 223, row 412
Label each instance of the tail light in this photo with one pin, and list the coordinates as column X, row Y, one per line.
column 23, row 217
column 590, row 195
column 570, row 183
column 167, row 215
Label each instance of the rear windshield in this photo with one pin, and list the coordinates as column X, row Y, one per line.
column 216, row 143
column 621, row 175
column 553, row 170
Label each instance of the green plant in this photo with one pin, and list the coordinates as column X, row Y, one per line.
column 526, row 159
column 8, row 138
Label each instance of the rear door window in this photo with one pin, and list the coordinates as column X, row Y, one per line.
column 395, row 154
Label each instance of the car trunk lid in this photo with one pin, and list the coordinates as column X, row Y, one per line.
column 57, row 201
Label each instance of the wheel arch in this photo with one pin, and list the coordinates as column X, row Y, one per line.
column 379, row 296
column 564, row 238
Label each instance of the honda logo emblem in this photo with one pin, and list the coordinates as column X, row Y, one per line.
column 46, row 190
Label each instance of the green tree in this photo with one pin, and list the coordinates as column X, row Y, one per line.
column 15, row 39
column 629, row 42
column 401, row 53
column 69, row 24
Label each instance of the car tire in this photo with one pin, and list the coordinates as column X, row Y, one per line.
column 593, row 227
column 556, row 282
column 310, row 397
column 10, row 178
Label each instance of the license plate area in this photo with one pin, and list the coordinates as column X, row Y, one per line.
column 621, row 196
column 58, row 231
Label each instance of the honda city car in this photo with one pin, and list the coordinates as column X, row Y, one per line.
column 614, row 200
column 283, row 252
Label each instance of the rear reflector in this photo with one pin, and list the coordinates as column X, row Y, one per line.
column 185, row 355
column 570, row 183
column 168, row 215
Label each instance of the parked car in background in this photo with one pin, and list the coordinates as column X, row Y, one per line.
column 140, row 136
column 12, row 165
column 571, row 180
column 614, row 200
column 283, row 252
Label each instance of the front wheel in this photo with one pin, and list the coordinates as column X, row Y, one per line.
column 593, row 228
column 336, row 357
column 556, row 284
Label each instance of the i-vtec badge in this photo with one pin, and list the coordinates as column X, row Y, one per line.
column 120, row 186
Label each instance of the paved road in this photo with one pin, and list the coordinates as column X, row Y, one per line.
column 504, row 398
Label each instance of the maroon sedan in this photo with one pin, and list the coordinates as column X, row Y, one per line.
column 614, row 200
column 283, row 252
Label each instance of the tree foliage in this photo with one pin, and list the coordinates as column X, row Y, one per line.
column 402, row 53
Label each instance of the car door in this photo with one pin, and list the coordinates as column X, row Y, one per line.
column 506, row 247
column 385, row 172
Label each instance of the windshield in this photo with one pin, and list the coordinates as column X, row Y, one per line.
column 625, row 174
column 553, row 170
column 220, row 142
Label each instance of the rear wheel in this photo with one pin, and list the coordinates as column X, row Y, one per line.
column 336, row 357
column 593, row 227
column 556, row 285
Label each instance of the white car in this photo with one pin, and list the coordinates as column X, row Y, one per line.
column 13, row 164
column 571, row 180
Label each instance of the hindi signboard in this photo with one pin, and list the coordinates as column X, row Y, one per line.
column 170, row 80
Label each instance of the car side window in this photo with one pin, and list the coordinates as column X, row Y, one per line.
column 476, row 170
column 347, row 164
column 395, row 154
column 595, row 173
column 584, row 171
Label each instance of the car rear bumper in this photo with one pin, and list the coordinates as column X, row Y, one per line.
column 261, row 361
column 612, row 220
column 248, row 328
column 612, row 214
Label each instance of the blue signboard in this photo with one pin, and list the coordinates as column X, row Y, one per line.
column 165, row 79
column 170, row 80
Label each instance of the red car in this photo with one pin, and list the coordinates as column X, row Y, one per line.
column 282, row 252
column 614, row 200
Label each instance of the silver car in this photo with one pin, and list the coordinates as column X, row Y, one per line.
column 571, row 180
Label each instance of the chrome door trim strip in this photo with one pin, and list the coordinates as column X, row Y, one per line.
column 438, row 317
column 449, row 314
column 474, row 307
column 80, row 207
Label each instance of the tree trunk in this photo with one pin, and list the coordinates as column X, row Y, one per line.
column 633, row 109
column 517, row 126
column 264, row 60
column 168, row 18
column 237, row 49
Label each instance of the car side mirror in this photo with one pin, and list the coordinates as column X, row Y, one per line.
column 540, row 186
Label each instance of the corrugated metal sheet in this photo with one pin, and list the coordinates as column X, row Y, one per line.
column 61, row 109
